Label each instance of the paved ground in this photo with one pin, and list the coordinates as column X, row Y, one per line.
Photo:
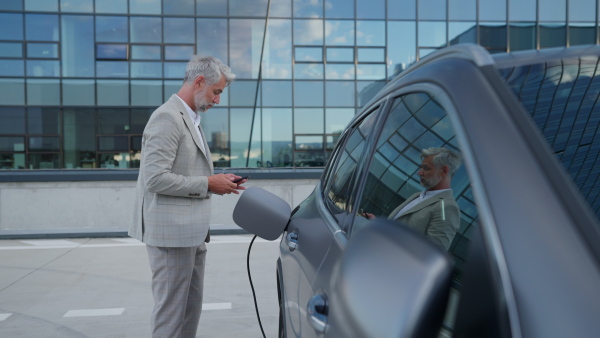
column 101, row 288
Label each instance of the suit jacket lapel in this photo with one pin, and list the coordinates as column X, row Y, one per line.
column 192, row 129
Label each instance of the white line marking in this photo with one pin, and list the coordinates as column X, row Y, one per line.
column 127, row 240
column 3, row 316
column 216, row 306
column 51, row 243
column 94, row 312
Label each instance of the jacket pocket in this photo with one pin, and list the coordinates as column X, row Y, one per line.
column 173, row 200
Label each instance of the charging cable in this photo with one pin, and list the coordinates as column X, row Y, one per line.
column 252, row 286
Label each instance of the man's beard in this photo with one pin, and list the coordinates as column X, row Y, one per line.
column 200, row 102
column 431, row 182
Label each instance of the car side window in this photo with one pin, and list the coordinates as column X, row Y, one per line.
column 339, row 184
column 416, row 121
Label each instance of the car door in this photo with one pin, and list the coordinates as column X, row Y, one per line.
column 313, row 227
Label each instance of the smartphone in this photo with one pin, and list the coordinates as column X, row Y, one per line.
column 240, row 179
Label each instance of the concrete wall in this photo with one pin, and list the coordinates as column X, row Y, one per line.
column 107, row 205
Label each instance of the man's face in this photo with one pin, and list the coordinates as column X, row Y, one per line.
column 429, row 174
column 208, row 96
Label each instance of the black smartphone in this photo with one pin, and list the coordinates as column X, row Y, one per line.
column 240, row 179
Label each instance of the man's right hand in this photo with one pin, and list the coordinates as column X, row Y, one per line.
column 222, row 184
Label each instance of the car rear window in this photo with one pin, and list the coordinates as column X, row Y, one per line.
column 562, row 97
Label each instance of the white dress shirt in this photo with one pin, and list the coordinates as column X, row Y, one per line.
column 196, row 119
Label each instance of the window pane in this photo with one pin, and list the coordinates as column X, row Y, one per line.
column 78, row 93
column 370, row 33
column 308, row 8
column 43, row 121
column 212, row 38
column 553, row 10
column 13, row 121
column 336, row 119
column 112, row 29
column 145, row 52
column 113, row 121
column 401, row 9
column 112, row 69
column 179, row 52
column 179, row 30
column 432, row 34
column 309, row 94
column 248, row 7
column 340, row 32
column 582, row 34
column 79, row 138
column 41, row 5
column 111, row 6
column 11, row 49
column 339, row 9
column 308, row 32
column 145, row 6
column 246, row 36
column 462, row 32
column 176, row 70
column 340, row 54
column 493, row 35
column 370, row 72
column 370, row 9
column 11, row 26
column 12, row 5
column 277, row 56
column 371, row 55
column 522, row 36
column 215, row 124
column 42, row 50
column 44, row 143
column 113, row 93
column 277, row 137
column 462, row 9
column 211, row 7
column 146, row 30
column 12, row 91
column 401, row 47
column 112, row 143
column 522, row 10
column 77, row 46
column 281, row 8
column 146, row 93
column 366, row 90
column 11, row 143
column 582, row 10
column 77, row 6
column 552, row 35
column 43, row 92
column 309, row 54
column 12, row 68
column 41, row 27
column 139, row 118
column 43, row 68
column 492, row 10
column 277, row 93
column 311, row 71
column 339, row 93
column 111, row 52
column 178, row 7
column 339, row 71
column 243, row 93
column 432, row 9
column 308, row 121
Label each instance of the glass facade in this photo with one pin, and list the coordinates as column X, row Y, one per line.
column 79, row 78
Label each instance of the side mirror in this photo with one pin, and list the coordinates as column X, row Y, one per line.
column 390, row 282
column 262, row 213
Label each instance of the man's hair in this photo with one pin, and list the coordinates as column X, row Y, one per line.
column 210, row 67
column 443, row 157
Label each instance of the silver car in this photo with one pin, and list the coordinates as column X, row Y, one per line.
column 525, row 259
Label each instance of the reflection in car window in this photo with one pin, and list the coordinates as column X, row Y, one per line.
column 338, row 189
column 562, row 96
column 415, row 122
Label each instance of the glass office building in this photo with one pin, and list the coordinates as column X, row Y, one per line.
column 79, row 78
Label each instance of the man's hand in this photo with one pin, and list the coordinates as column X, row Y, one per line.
column 223, row 184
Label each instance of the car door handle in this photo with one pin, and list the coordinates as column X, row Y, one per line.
column 317, row 310
column 292, row 240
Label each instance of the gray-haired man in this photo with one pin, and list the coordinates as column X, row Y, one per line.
column 172, row 206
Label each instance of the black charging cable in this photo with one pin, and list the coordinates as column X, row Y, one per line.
column 252, row 286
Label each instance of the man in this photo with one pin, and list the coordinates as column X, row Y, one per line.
column 433, row 212
column 172, row 206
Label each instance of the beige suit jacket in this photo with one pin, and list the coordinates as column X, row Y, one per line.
column 437, row 217
column 172, row 206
